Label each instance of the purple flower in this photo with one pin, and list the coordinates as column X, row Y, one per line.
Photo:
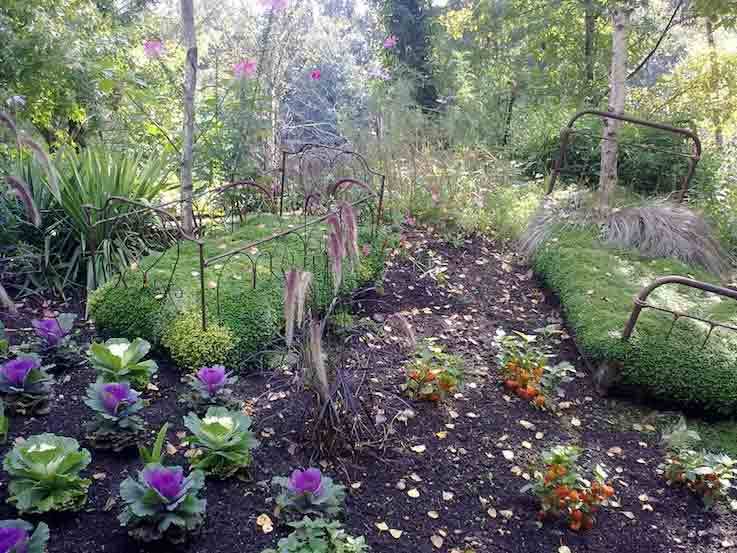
column 13, row 539
column 307, row 481
column 390, row 42
column 49, row 329
column 112, row 395
column 167, row 481
column 274, row 5
column 153, row 48
column 16, row 371
column 316, row 74
column 212, row 377
column 245, row 69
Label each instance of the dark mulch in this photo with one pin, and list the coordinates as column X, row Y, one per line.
column 460, row 296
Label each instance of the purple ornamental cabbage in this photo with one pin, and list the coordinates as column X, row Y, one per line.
column 16, row 371
column 213, row 378
column 308, row 481
column 49, row 330
column 112, row 395
column 13, row 539
column 167, row 481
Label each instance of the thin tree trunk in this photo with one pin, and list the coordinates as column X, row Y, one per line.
column 510, row 110
column 716, row 116
column 190, row 85
column 588, row 43
column 617, row 95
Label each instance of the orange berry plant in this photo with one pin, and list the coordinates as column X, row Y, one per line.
column 433, row 375
column 526, row 372
column 564, row 492
column 708, row 475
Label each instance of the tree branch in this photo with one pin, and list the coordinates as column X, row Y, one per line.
column 658, row 43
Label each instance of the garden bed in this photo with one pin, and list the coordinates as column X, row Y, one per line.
column 463, row 478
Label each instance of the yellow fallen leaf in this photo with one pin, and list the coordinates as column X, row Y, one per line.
column 433, row 514
column 447, row 496
column 396, row 534
column 413, row 493
column 264, row 522
column 564, row 549
column 437, row 541
column 419, row 448
column 382, row 526
column 441, row 435
column 356, row 485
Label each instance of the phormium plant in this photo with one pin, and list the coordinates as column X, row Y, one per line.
column 44, row 474
column 708, row 475
column 119, row 360
column 223, row 439
column 563, row 491
column 162, row 504
column 19, row 536
column 25, row 385
column 116, row 424
column 310, row 536
column 433, row 374
column 309, row 492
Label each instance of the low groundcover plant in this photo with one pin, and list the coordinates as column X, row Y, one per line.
column 25, row 385
column 309, row 492
column 319, row 535
column 224, row 440
column 18, row 536
column 433, row 375
column 116, row 424
column 162, row 504
column 119, row 360
column 44, row 474
column 563, row 491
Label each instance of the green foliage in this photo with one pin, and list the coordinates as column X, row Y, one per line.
column 321, row 497
column 44, row 474
column 596, row 286
column 156, row 454
column 319, row 535
column 118, row 360
column 151, row 515
column 129, row 312
column 433, row 374
column 4, row 424
column 225, row 440
column 191, row 347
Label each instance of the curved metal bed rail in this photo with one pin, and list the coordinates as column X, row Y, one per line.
column 568, row 130
column 640, row 303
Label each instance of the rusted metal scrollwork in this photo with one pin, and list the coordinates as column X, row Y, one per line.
column 640, row 303
column 568, row 131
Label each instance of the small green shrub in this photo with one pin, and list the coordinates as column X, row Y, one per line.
column 191, row 347
column 596, row 286
column 129, row 312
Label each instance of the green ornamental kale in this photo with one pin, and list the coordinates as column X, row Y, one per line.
column 225, row 439
column 162, row 503
column 44, row 474
column 119, row 360
column 309, row 492
column 319, row 536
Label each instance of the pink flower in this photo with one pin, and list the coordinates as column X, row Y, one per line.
column 153, row 48
column 275, row 5
column 379, row 73
column 315, row 75
column 244, row 69
column 390, row 42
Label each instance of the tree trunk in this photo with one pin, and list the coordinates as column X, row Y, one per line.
column 716, row 116
column 617, row 95
column 190, row 85
column 588, row 44
column 510, row 110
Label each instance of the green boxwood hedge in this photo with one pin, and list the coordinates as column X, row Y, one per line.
column 250, row 317
column 596, row 287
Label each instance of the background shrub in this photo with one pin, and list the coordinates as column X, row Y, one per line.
column 191, row 347
column 129, row 312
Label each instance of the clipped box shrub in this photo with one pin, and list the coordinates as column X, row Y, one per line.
column 130, row 312
column 596, row 287
column 191, row 347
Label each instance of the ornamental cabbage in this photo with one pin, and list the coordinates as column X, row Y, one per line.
column 18, row 536
column 44, row 474
column 225, row 440
column 54, row 340
column 119, row 360
column 310, row 536
column 209, row 386
column 25, row 385
column 116, row 425
column 309, row 492
column 162, row 504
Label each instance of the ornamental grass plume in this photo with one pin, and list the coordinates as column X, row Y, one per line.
column 317, row 362
column 245, row 69
column 350, row 225
column 295, row 294
column 20, row 188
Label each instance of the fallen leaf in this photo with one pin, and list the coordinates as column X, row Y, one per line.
column 491, row 512
column 437, row 541
column 99, row 476
column 433, row 514
column 526, row 424
column 264, row 522
column 396, row 534
column 419, row 448
column 506, row 514
column 564, row 549
column 382, row 526
column 356, row 485
column 447, row 496
column 413, row 493
column 575, row 422
column 508, row 455
column 629, row 514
